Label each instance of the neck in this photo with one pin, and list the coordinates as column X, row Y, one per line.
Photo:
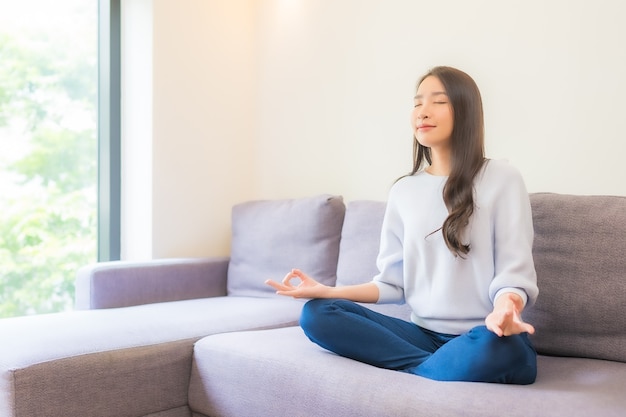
column 440, row 163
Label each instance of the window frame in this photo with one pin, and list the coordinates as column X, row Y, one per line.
column 109, row 130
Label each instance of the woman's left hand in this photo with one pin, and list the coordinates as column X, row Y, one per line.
column 506, row 319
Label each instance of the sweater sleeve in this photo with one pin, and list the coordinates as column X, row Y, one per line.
column 514, row 269
column 390, row 279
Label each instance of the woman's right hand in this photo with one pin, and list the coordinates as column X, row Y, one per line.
column 307, row 287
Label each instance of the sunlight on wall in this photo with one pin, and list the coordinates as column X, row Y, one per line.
column 288, row 98
column 137, row 130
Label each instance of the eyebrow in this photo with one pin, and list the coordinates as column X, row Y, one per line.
column 436, row 93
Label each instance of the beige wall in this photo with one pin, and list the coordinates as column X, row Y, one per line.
column 287, row 98
column 200, row 161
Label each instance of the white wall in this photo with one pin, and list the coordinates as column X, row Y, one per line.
column 337, row 78
column 136, row 227
column 287, row 98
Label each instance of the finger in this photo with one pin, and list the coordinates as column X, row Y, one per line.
column 529, row 328
column 276, row 285
column 298, row 273
column 288, row 293
column 295, row 278
column 494, row 326
column 291, row 275
column 526, row 327
column 498, row 331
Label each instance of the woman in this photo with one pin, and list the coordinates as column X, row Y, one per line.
column 456, row 245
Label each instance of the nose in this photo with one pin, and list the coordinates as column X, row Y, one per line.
column 422, row 112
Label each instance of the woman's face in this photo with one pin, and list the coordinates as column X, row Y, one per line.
column 432, row 118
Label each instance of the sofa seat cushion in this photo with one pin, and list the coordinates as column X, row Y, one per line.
column 270, row 237
column 281, row 373
column 135, row 359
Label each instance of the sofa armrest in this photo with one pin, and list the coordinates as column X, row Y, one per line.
column 123, row 283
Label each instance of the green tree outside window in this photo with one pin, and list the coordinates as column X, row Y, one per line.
column 48, row 151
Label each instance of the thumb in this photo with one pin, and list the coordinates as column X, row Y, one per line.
column 530, row 329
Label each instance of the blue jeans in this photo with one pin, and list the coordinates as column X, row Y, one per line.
column 351, row 330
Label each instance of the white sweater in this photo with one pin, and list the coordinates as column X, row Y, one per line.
column 449, row 294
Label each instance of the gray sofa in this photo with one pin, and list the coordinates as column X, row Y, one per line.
column 206, row 337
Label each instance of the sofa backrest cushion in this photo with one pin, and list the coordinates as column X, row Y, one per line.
column 360, row 242
column 271, row 237
column 581, row 272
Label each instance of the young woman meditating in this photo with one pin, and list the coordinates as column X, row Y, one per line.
column 456, row 245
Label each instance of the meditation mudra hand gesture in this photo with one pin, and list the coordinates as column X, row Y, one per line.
column 455, row 245
column 306, row 286
column 504, row 320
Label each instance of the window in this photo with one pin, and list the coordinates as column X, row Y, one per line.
column 49, row 151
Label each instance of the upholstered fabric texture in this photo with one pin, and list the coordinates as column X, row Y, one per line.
column 123, row 284
column 360, row 241
column 134, row 360
column 281, row 373
column 62, row 388
column 271, row 237
column 581, row 271
column 183, row 411
column 580, row 262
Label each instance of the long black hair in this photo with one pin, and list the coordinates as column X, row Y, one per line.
column 467, row 153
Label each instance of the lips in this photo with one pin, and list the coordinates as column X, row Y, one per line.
column 425, row 127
